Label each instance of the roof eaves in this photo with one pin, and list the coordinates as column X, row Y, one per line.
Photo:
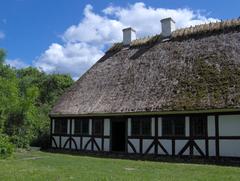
column 210, row 111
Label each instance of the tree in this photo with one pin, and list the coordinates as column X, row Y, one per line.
column 26, row 97
column 53, row 86
column 2, row 56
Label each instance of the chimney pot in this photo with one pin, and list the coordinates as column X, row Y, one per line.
column 129, row 35
column 168, row 26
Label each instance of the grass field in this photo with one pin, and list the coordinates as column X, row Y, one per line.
column 36, row 165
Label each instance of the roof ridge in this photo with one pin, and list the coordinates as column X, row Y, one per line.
column 182, row 32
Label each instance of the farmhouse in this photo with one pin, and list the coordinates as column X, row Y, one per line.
column 176, row 93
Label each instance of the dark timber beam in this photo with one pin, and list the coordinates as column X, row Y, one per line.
column 50, row 139
column 156, row 137
column 70, row 129
column 217, row 135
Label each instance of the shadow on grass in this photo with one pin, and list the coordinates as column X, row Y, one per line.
column 226, row 161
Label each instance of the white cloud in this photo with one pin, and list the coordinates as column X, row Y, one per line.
column 16, row 63
column 146, row 20
column 2, row 35
column 72, row 58
column 94, row 29
column 85, row 43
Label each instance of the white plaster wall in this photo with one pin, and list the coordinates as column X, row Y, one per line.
column 73, row 126
column 68, row 126
column 129, row 126
column 84, row 142
column 159, row 126
column 57, row 141
column 99, row 142
column 211, row 125
column 229, row 148
column 179, row 144
column 167, row 144
column 106, row 127
column 201, row 145
column 106, row 144
column 212, row 147
column 64, row 139
column 146, row 144
column 187, row 152
column 187, row 126
column 77, row 140
column 136, row 144
column 229, row 125
column 153, row 126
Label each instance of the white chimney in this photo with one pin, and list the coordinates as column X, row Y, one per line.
column 168, row 26
column 129, row 34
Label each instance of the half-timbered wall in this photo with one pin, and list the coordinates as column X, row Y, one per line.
column 82, row 142
column 229, row 130
column 222, row 138
column 141, row 144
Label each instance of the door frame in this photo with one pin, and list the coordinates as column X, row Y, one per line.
column 119, row 119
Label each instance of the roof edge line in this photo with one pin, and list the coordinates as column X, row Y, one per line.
column 148, row 113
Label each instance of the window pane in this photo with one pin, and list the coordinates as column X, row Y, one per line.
column 167, row 127
column 57, row 126
column 135, row 127
column 81, row 126
column 97, row 127
column 60, row 126
column 77, row 126
column 146, row 126
column 64, row 126
column 85, row 126
column 173, row 126
column 179, row 126
column 199, row 125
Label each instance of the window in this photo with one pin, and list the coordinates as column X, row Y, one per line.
column 135, row 126
column 85, row 126
column 97, row 127
column 180, row 127
column 81, row 126
column 60, row 126
column 141, row 126
column 173, row 126
column 146, row 127
column 77, row 126
column 167, row 127
column 198, row 125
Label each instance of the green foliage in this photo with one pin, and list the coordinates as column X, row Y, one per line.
column 42, row 141
column 6, row 147
column 27, row 96
column 2, row 56
column 54, row 86
column 20, row 140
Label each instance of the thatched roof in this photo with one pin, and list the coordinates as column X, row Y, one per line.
column 198, row 68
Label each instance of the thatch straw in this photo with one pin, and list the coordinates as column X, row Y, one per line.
column 203, row 29
column 200, row 74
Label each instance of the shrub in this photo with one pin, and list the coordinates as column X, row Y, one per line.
column 42, row 141
column 6, row 147
column 20, row 141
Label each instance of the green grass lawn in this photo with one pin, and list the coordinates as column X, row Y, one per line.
column 36, row 165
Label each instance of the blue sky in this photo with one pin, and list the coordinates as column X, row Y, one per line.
column 49, row 34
